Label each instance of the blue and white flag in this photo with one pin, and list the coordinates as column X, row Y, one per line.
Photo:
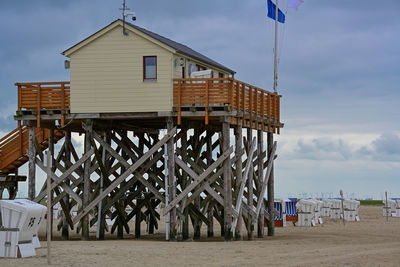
column 295, row 3
column 272, row 12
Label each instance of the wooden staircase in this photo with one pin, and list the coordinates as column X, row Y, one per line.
column 14, row 147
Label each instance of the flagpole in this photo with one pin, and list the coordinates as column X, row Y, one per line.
column 276, row 49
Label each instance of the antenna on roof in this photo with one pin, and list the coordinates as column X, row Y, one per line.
column 125, row 15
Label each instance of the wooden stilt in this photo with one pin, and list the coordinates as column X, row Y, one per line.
column 270, row 201
column 227, row 182
column 67, row 151
column 185, row 181
column 197, row 221
column 32, row 165
column 250, row 226
column 120, row 227
column 239, row 169
column 260, row 176
column 107, row 165
column 53, row 168
column 86, row 181
column 171, row 180
column 138, row 218
column 210, row 213
column 210, row 217
column 222, row 222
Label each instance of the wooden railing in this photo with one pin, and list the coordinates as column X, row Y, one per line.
column 241, row 97
column 44, row 95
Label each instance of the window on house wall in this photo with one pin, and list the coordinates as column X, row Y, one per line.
column 149, row 68
column 200, row 68
column 192, row 68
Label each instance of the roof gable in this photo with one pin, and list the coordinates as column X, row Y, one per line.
column 168, row 44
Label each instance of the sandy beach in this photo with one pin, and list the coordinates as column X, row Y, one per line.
column 371, row 242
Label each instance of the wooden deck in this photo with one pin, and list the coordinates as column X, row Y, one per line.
column 250, row 106
column 203, row 99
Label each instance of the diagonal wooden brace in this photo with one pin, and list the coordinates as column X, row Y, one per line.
column 244, row 181
column 125, row 175
column 198, row 179
column 260, row 198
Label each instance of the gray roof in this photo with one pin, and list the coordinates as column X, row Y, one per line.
column 180, row 48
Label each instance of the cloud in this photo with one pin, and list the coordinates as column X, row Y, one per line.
column 384, row 148
column 388, row 143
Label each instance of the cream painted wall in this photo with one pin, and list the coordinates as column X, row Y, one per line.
column 107, row 75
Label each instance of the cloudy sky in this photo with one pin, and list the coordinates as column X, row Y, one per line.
column 339, row 74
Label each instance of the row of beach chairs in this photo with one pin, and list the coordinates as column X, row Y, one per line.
column 310, row 212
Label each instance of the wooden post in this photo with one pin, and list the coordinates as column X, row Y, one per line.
column 171, row 179
column 101, row 217
column 197, row 224
column 67, row 151
column 53, row 168
column 184, row 145
column 239, row 170
column 120, row 227
column 86, row 181
column 270, row 201
column 250, row 226
column 139, row 200
column 210, row 217
column 32, row 164
column 138, row 218
column 49, row 207
column 386, row 207
column 260, row 174
column 153, row 202
column 227, row 182
column 210, row 213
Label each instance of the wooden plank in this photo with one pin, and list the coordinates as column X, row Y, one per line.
column 126, row 174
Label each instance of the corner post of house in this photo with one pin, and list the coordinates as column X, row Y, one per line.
column 67, row 153
column 260, row 175
column 270, row 187
column 227, row 180
column 32, row 161
column 171, row 179
column 239, row 172
column 250, row 188
column 86, row 180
